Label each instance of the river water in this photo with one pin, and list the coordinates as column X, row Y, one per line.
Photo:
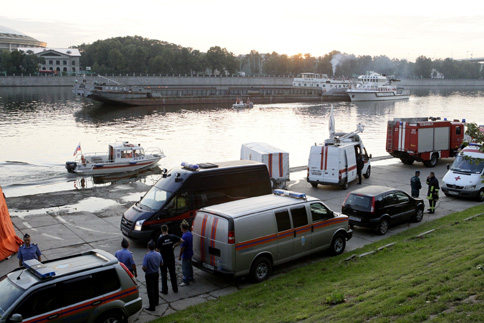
column 41, row 127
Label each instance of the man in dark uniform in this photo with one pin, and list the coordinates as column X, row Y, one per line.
column 415, row 184
column 359, row 166
column 152, row 263
column 165, row 245
column 433, row 192
column 28, row 251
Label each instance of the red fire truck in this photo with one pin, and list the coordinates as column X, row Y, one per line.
column 424, row 139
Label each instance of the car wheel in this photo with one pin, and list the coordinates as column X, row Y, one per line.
column 480, row 197
column 368, row 172
column 338, row 245
column 111, row 317
column 314, row 184
column 382, row 227
column 433, row 161
column 419, row 215
column 260, row 269
column 345, row 185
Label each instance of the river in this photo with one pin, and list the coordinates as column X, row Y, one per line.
column 41, row 127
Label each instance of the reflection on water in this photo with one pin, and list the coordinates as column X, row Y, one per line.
column 41, row 127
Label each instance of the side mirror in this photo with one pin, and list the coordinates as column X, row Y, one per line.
column 371, row 156
column 16, row 318
column 448, row 166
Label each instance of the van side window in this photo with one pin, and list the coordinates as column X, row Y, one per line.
column 282, row 219
column 320, row 212
column 299, row 216
column 43, row 300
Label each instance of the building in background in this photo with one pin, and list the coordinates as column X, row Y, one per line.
column 12, row 40
column 57, row 60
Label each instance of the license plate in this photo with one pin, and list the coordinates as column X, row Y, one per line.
column 354, row 218
column 453, row 193
column 208, row 266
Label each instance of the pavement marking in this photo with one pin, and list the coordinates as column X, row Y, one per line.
column 82, row 228
column 52, row 237
column 29, row 226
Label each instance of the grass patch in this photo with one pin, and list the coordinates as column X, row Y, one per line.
column 438, row 277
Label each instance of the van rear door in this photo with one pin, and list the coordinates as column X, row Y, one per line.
column 302, row 230
column 211, row 245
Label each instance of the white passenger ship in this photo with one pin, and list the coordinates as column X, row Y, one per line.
column 376, row 87
column 330, row 86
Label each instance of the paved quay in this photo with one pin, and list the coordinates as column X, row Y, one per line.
column 69, row 222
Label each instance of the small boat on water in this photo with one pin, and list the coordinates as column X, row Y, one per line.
column 121, row 157
column 376, row 87
column 239, row 104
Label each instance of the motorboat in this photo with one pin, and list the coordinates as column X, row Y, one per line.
column 239, row 104
column 121, row 157
column 376, row 87
column 329, row 86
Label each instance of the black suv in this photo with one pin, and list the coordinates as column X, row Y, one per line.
column 90, row 287
column 378, row 207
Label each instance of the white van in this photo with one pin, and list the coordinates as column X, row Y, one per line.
column 250, row 236
column 465, row 175
column 334, row 163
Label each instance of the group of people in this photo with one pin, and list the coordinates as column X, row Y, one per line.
column 433, row 190
column 161, row 257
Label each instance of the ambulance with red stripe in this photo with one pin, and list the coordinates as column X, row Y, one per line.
column 250, row 236
column 90, row 287
column 334, row 162
column 465, row 176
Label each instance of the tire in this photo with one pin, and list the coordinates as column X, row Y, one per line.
column 111, row 317
column 480, row 197
column 314, row 184
column 418, row 216
column 260, row 270
column 345, row 184
column 368, row 172
column 407, row 161
column 433, row 161
column 382, row 227
column 338, row 245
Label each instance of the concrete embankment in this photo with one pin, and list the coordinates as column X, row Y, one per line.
column 193, row 81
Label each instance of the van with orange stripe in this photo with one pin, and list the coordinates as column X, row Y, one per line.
column 90, row 287
column 250, row 236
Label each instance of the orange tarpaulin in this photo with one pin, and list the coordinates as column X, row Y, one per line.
column 9, row 242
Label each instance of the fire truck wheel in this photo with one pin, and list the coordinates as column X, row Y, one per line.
column 407, row 161
column 368, row 172
column 433, row 161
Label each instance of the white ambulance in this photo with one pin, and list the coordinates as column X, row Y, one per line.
column 334, row 162
column 465, row 176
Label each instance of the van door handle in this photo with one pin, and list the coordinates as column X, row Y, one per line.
column 96, row 303
column 53, row 317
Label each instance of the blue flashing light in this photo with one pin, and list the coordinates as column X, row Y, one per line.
column 190, row 166
column 445, row 119
column 290, row 194
column 38, row 269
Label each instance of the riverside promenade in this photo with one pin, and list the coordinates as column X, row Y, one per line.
column 69, row 222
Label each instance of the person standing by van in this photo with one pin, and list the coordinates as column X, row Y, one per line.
column 359, row 166
column 433, row 192
column 152, row 263
column 165, row 245
column 415, row 184
column 186, row 253
column 126, row 257
column 28, row 251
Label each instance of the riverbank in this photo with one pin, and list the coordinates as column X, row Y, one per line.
column 201, row 81
column 69, row 222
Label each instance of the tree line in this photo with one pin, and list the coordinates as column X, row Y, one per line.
column 135, row 54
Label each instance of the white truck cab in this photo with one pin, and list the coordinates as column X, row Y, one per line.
column 465, row 176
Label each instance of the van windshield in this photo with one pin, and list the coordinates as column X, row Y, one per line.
column 10, row 293
column 468, row 165
column 154, row 199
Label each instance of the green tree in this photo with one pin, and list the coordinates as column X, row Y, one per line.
column 423, row 67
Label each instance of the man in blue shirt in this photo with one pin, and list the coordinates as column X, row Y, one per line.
column 126, row 257
column 28, row 251
column 186, row 253
column 152, row 263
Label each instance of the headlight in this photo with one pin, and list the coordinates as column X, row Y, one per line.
column 138, row 225
column 470, row 187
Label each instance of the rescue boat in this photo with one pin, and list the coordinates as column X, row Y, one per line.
column 121, row 157
column 239, row 104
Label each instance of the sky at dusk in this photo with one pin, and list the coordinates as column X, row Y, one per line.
column 397, row 29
